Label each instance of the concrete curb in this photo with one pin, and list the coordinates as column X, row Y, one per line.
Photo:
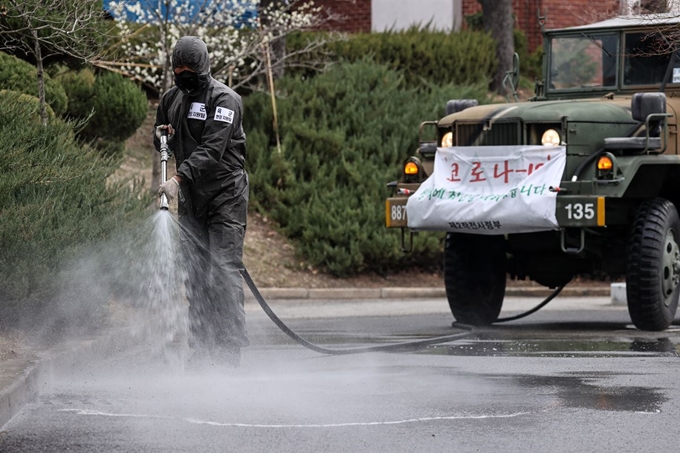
column 22, row 381
column 414, row 293
column 26, row 378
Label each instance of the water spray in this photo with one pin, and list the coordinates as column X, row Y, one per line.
column 165, row 155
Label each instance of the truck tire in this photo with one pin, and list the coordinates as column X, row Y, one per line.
column 653, row 265
column 475, row 269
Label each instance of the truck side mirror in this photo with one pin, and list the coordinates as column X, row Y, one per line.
column 644, row 104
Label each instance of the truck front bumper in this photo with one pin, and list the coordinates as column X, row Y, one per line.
column 572, row 211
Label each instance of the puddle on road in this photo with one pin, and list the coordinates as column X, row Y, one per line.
column 559, row 348
column 580, row 391
column 485, row 345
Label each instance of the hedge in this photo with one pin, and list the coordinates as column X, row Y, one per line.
column 420, row 53
column 113, row 105
column 344, row 135
column 18, row 75
column 54, row 201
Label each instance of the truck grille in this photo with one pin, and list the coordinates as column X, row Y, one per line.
column 497, row 134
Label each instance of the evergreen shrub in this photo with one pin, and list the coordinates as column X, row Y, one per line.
column 344, row 135
column 535, row 63
column 420, row 53
column 32, row 102
column 18, row 75
column 530, row 64
column 54, row 200
column 115, row 106
column 79, row 87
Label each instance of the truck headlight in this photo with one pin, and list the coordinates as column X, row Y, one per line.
column 447, row 140
column 550, row 138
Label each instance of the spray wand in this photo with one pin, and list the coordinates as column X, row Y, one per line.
column 165, row 155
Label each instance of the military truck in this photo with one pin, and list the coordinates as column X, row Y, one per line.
column 582, row 179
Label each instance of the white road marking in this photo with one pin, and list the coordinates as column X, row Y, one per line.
column 323, row 425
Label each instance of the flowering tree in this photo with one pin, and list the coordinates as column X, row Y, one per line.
column 238, row 34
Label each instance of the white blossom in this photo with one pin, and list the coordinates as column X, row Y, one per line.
column 234, row 35
column 237, row 33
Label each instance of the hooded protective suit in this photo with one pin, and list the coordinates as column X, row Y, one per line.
column 209, row 146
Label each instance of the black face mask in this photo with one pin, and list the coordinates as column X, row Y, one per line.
column 186, row 81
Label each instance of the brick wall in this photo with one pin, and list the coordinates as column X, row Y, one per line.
column 559, row 14
column 356, row 14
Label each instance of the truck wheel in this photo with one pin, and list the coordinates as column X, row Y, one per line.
column 653, row 267
column 475, row 269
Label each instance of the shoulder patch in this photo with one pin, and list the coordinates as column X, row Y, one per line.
column 224, row 114
column 197, row 111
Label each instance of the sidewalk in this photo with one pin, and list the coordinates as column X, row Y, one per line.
column 22, row 380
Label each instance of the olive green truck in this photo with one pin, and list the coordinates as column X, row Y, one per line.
column 582, row 179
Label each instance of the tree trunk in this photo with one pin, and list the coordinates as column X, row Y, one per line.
column 498, row 22
column 41, row 77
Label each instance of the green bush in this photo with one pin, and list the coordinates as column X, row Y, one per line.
column 31, row 101
column 18, row 75
column 54, row 200
column 344, row 135
column 79, row 87
column 115, row 106
column 120, row 106
column 529, row 63
column 534, row 65
column 420, row 53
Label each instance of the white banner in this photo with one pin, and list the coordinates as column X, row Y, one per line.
column 489, row 190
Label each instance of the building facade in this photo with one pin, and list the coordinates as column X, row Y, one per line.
column 380, row 15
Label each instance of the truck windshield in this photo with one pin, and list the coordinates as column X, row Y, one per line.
column 584, row 61
column 645, row 60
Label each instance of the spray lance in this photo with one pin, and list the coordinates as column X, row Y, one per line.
column 165, row 155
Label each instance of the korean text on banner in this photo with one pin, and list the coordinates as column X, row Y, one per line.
column 489, row 190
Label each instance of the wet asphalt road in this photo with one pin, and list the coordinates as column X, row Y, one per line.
column 576, row 377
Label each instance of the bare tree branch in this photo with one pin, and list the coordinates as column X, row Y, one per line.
column 233, row 36
column 41, row 29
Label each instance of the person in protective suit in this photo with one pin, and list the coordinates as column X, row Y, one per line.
column 204, row 121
